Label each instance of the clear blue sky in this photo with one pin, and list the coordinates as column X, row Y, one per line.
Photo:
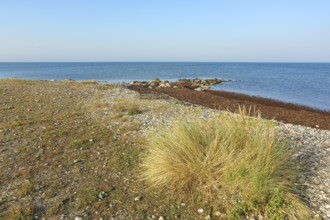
column 167, row 30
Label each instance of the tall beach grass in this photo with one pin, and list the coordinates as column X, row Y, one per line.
column 235, row 163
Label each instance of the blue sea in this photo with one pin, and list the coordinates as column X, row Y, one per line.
column 302, row 83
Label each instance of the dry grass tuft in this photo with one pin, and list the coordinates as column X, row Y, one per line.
column 121, row 107
column 18, row 81
column 235, row 164
column 92, row 82
column 24, row 189
column 18, row 211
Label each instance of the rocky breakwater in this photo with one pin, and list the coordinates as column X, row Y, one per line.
column 196, row 84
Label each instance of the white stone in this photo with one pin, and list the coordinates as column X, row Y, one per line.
column 217, row 213
column 200, row 210
column 199, row 89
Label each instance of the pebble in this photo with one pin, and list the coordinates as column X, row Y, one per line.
column 217, row 213
column 103, row 195
column 137, row 198
column 199, row 89
column 78, row 218
column 200, row 210
column 116, row 136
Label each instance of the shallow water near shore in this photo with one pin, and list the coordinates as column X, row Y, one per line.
column 300, row 83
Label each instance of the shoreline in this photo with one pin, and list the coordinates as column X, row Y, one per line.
column 323, row 107
column 269, row 108
column 201, row 94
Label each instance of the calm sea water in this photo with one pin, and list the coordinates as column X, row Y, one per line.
column 301, row 83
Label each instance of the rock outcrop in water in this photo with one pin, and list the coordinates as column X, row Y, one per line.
column 196, row 83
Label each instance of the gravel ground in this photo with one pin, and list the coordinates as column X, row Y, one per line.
column 312, row 147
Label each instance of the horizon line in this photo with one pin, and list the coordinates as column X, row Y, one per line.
column 164, row 61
